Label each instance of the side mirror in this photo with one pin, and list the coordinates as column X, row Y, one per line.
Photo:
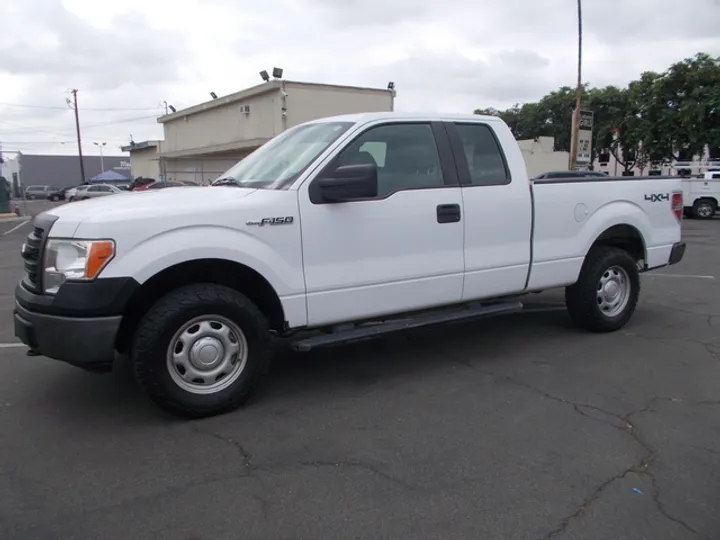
column 346, row 183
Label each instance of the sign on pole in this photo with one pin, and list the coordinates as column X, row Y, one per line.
column 584, row 146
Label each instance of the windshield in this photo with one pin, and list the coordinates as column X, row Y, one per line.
column 282, row 159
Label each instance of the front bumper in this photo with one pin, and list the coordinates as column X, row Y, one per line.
column 78, row 325
column 677, row 253
column 87, row 342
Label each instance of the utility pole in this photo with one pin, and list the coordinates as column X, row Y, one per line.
column 578, row 97
column 74, row 106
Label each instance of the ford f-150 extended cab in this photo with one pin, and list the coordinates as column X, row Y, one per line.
column 352, row 226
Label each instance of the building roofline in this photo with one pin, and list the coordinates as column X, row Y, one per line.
column 225, row 100
column 257, row 90
column 142, row 145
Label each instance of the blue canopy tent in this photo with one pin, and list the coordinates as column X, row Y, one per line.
column 110, row 176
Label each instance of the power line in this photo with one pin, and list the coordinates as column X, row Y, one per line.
column 36, row 142
column 27, row 128
column 63, row 133
column 59, row 108
column 120, row 121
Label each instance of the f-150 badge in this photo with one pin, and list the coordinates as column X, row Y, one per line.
column 272, row 221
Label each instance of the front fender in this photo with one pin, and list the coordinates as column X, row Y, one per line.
column 276, row 258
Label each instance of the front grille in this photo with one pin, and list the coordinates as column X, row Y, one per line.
column 32, row 257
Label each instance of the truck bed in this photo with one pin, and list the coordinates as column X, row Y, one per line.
column 570, row 213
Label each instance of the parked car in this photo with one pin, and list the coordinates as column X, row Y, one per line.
column 162, row 184
column 354, row 227
column 98, row 190
column 141, row 183
column 571, row 174
column 72, row 193
column 44, row 192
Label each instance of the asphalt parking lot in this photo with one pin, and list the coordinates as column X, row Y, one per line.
column 513, row 428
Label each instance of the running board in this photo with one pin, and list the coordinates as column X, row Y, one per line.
column 427, row 319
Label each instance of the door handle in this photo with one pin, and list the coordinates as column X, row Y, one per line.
column 448, row 213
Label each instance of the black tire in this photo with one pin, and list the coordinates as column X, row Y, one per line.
column 704, row 209
column 157, row 328
column 581, row 298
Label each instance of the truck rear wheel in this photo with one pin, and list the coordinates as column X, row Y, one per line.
column 605, row 295
column 200, row 350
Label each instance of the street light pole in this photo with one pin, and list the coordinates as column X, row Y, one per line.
column 102, row 162
column 578, row 95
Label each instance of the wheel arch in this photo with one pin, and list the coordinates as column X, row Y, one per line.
column 623, row 236
column 232, row 274
column 706, row 198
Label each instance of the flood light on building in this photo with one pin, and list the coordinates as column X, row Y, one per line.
column 213, row 95
column 264, row 75
column 277, row 73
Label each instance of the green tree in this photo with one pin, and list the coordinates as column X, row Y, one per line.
column 658, row 117
column 680, row 108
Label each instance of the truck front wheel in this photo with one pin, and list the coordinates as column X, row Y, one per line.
column 605, row 295
column 200, row 350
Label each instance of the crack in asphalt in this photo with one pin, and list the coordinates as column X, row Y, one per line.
column 245, row 456
column 359, row 465
column 247, row 462
column 614, row 420
column 627, row 427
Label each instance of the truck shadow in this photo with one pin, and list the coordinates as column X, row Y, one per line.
column 400, row 355
column 342, row 368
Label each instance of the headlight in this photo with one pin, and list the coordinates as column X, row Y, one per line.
column 75, row 260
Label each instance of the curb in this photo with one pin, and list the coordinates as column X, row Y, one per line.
column 12, row 218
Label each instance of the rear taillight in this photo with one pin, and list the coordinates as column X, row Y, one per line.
column 677, row 204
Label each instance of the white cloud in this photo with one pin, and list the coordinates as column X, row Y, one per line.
column 451, row 55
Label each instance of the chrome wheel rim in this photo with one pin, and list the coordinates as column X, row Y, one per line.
column 705, row 210
column 613, row 291
column 207, row 354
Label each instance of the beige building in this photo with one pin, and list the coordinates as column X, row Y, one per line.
column 204, row 141
column 144, row 158
column 540, row 156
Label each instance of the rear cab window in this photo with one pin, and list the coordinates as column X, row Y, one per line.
column 484, row 163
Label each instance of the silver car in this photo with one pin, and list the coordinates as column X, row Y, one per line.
column 100, row 190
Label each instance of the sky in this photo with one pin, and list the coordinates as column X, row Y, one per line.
column 127, row 58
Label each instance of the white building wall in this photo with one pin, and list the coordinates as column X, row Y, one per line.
column 307, row 102
column 145, row 163
column 540, row 157
column 201, row 170
column 224, row 124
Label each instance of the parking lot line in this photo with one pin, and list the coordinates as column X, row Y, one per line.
column 16, row 227
column 687, row 276
column 11, row 345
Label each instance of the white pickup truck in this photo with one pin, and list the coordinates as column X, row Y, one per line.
column 354, row 226
column 701, row 195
